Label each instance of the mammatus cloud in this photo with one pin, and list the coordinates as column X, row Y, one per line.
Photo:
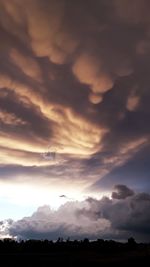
column 117, row 217
column 27, row 64
column 89, row 71
column 132, row 102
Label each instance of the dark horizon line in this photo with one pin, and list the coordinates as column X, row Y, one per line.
column 68, row 239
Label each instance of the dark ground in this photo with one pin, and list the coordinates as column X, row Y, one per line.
column 79, row 253
column 83, row 258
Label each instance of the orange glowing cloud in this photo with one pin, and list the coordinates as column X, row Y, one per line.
column 89, row 71
column 27, row 64
column 11, row 119
column 132, row 102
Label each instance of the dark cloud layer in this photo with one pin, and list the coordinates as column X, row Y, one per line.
column 122, row 192
column 135, row 172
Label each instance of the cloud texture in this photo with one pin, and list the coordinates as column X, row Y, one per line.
column 74, row 81
column 92, row 218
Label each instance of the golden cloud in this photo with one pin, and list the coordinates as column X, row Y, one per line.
column 27, row 64
column 89, row 71
column 132, row 102
column 72, row 134
column 95, row 98
column 11, row 119
column 21, row 157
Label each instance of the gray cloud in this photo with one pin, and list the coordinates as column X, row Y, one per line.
column 92, row 218
column 122, row 192
column 45, row 223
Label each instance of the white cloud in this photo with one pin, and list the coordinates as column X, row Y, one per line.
column 91, row 218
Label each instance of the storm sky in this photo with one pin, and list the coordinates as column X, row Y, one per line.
column 75, row 118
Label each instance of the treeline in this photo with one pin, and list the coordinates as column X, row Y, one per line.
column 48, row 246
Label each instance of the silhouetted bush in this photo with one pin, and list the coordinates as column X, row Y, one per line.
column 47, row 246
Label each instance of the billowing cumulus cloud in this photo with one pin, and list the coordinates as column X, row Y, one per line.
column 122, row 191
column 45, row 222
column 92, row 218
column 74, row 93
